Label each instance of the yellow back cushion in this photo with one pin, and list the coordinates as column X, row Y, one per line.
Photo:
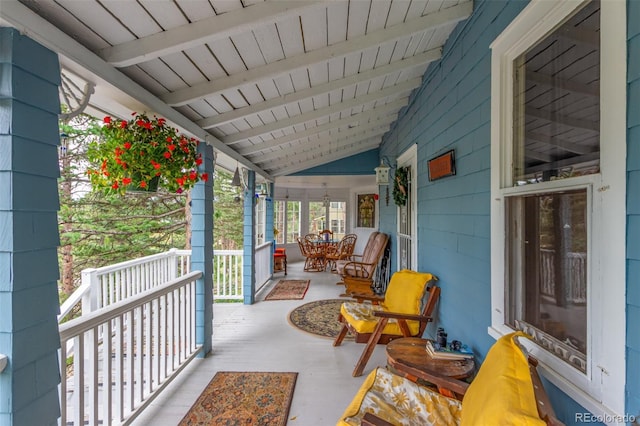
column 502, row 392
column 405, row 290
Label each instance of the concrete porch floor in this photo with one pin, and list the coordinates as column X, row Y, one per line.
column 259, row 338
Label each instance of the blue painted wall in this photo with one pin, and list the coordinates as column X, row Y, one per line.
column 633, row 210
column 360, row 164
column 29, row 107
column 452, row 110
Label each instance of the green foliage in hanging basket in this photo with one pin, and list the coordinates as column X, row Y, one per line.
column 130, row 155
column 401, row 186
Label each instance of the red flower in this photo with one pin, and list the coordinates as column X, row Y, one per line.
column 115, row 185
column 107, row 120
column 198, row 161
column 204, row 177
column 161, row 121
column 193, row 175
column 155, row 165
column 179, row 191
column 167, row 155
column 180, row 181
column 169, row 139
column 127, row 145
column 143, row 184
column 123, row 124
column 171, row 147
column 126, row 181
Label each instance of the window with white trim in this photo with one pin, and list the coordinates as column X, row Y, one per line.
column 558, row 149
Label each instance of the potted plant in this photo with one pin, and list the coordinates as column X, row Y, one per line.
column 142, row 154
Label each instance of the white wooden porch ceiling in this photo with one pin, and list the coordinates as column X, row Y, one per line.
column 285, row 85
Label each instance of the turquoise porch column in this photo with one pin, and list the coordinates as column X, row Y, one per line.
column 268, row 232
column 29, row 138
column 249, row 246
column 202, row 249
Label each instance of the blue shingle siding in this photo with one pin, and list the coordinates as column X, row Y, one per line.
column 28, row 230
column 633, row 209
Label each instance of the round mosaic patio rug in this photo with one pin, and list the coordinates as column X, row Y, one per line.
column 319, row 318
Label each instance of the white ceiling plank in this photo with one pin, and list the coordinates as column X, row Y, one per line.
column 336, row 69
column 203, row 108
column 358, row 17
column 196, row 10
column 362, row 88
column 179, row 64
column 248, row 49
column 269, row 41
column 314, row 27
column 235, row 98
column 306, row 105
column 284, row 84
column 133, row 16
column 349, row 92
column 208, row 28
column 400, row 49
column 268, row 89
column 337, row 15
column 98, row 19
column 251, row 94
column 368, row 58
column 384, row 53
column 402, row 88
column 354, row 149
column 378, row 15
column 300, row 80
column 453, row 14
column 229, row 59
column 381, row 116
column 219, row 103
column 166, row 12
column 352, row 63
column 320, row 146
column 290, row 36
column 205, row 61
column 144, row 79
column 225, row 6
column 397, row 12
column 163, row 74
column 318, row 73
column 416, row 8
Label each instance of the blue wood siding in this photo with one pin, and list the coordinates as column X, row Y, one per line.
column 29, row 136
column 360, row 164
column 452, row 110
column 633, row 210
column 201, row 243
column 249, row 257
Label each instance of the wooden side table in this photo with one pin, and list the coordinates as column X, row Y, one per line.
column 408, row 356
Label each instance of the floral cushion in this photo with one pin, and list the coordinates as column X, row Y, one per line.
column 401, row 402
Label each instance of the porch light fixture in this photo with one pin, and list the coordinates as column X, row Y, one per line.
column 382, row 173
column 236, row 178
column 326, row 200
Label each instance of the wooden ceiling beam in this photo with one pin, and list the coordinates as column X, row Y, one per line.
column 266, row 157
column 555, row 117
column 204, row 31
column 269, row 71
column 375, row 116
column 560, row 83
column 560, row 143
column 413, row 61
column 398, row 89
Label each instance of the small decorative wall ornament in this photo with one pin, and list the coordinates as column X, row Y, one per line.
column 442, row 166
column 401, row 186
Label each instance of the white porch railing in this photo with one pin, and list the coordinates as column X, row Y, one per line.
column 110, row 284
column 263, row 261
column 575, row 290
column 126, row 353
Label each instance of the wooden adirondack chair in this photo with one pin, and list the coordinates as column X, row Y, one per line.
column 404, row 311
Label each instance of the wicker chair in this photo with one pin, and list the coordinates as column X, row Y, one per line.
column 314, row 257
column 343, row 251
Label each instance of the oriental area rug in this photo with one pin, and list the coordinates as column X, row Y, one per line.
column 288, row 290
column 319, row 318
column 244, row 398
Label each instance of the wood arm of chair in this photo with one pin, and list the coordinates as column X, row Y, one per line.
column 400, row 316
column 545, row 410
column 361, row 297
column 371, row 419
column 359, row 269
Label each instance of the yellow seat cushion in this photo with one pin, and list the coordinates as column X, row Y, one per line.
column 400, row 402
column 502, row 392
column 404, row 295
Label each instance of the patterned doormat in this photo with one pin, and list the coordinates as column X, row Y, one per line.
column 319, row 318
column 244, row 398
column 288, row 290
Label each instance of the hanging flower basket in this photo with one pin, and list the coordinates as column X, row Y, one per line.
column 140, row 154
column 401, row 186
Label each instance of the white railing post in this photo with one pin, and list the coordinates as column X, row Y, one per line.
column 90, row 300
column 173, row 264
